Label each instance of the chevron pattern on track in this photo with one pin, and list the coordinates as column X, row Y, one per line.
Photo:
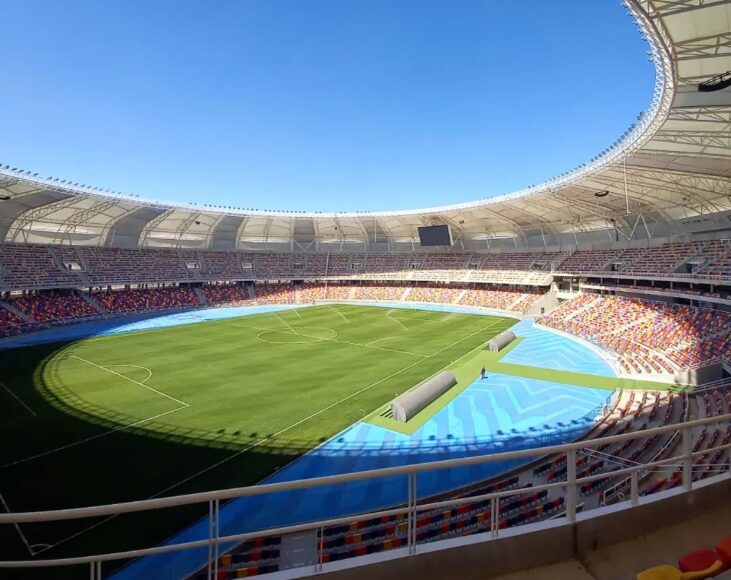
column 542, row 348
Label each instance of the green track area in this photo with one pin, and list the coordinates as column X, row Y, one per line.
column 198, row 407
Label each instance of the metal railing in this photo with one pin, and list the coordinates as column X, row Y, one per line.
column 570, row 487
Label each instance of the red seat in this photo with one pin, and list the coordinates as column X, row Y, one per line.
column 701, row 564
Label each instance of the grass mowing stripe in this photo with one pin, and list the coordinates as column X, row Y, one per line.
column 276, row 401
column 323, row 338
column 320, row 412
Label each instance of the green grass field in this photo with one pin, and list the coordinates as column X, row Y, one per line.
column 203, row 406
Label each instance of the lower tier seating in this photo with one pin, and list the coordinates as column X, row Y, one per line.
column 648, row 337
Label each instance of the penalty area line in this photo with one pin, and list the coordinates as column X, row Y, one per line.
column 280, row 432
column 183, row 403
column 87, row 439
column 17, row 528
column 17, row 398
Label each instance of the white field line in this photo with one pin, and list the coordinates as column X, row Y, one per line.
column 17, row 398
column 296, row 311
column 319, row 339
column 183, row 403
column 97, row 436
column 17, row 527
column 396, row 320
column 331, row 307
column 378, row 340
column 292, row 426
column 324, row 409
column 149, row 372
column 286, row 323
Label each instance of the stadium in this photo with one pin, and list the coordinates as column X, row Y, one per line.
column 535, row 383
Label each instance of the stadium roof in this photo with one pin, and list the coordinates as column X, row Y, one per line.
column 674, row 163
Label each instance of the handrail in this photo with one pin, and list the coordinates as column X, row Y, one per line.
column 225, row 494
column 238, row 538
column 571, row 484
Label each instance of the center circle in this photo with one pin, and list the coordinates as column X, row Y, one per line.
column 301, row 335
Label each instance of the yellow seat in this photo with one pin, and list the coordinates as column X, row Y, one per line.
column 661, row 573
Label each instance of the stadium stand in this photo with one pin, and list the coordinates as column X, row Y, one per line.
column 39, row 266
column 275, row 293
column 115, row 265
column 590, row 261
column 147, row 299
column 311, row 292
column 26, row 266
column 232, row 294
column 500, row 298
column 648, row 337
column 374, row 291
column 431, row 293
column 10, row 324
column 633, row 411
column 54, row 307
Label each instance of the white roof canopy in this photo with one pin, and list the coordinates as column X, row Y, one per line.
column 674, row 164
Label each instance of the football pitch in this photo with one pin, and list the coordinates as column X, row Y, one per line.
column 197, row 407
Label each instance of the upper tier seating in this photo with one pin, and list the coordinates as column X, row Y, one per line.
column 590, row 261
column 39, row 266
column 25, row 266
column 115, row 265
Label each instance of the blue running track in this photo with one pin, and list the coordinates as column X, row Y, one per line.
column 501, row 413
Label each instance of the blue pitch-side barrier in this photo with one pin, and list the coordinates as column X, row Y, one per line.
column 137, row 323
column 501, row 413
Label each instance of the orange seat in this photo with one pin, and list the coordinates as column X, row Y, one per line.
column 660, row 573
column 724, row 551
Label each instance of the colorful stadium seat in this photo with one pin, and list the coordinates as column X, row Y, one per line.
column 664, row 572
column 702, row 564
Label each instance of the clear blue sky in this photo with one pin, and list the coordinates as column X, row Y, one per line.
column 316, row 104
